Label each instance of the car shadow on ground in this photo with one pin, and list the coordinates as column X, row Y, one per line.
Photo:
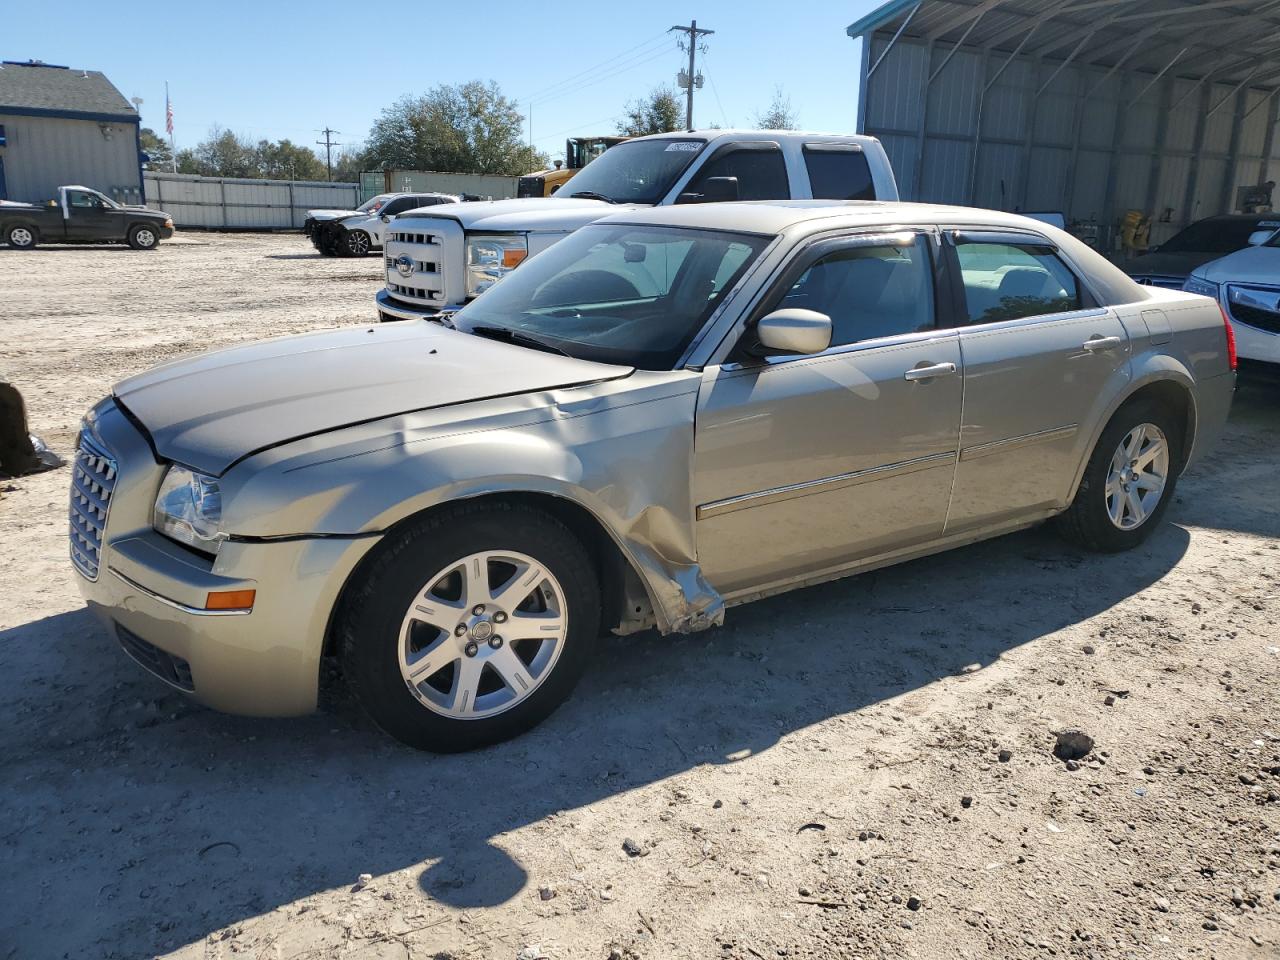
column 264, row 813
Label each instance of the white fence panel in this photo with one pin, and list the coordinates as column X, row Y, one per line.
column 228, row 203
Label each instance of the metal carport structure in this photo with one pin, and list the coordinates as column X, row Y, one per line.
column 1088, row 107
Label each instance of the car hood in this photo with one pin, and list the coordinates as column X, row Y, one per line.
column 1250, row 265
column 330, row 214
column 214, row 409
column 1167, row 264
column 529, row 213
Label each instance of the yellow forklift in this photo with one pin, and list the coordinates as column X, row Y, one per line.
column 578, row 152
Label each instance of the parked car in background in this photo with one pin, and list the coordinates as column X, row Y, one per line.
column 1247, row 285
column 82, row 215
column 359, row 233
column 669, row 412
column 1170, row 263
column 439, row 260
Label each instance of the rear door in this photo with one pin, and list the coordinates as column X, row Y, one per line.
column 1042, row 358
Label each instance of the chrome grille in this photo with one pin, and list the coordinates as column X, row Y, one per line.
column 93, row 478
column 420, row 293
column 411, row 237
column 1255, row 306
column 420, row 266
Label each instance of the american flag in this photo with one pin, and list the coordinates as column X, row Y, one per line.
column 168, row 114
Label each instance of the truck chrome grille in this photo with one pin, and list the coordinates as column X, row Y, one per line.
column 419, row 293
column 409, row 237
column 93, row 478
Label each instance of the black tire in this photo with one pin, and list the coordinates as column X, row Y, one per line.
column 21, row 237
column 392, row 582
column 1087, row 522
column 143, row 236
column 356, row 243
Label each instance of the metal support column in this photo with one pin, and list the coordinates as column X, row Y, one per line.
column 1197, row 146
column 922, row 123
column 1225, row 204
column 1157, row 156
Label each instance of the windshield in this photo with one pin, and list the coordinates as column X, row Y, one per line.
column 615, row 293
column 1215, row 235
column 641, row 171
column 373, row 204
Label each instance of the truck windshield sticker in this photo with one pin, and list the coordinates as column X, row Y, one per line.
column 683, row 146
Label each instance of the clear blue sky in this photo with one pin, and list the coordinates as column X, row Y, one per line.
column 271, row 70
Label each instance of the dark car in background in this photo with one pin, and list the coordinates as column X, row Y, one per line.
column 1170, row 263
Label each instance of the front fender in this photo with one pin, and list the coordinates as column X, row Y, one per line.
column 622, row 451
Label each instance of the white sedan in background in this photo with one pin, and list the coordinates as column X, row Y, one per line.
column 1247, row 284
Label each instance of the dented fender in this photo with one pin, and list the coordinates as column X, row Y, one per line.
column 622, row 450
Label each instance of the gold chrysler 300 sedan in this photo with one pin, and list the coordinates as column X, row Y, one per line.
column 667, row 413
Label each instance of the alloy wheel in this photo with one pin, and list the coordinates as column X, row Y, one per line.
column 358, row 244
column 1137, row 476
column 20, row 237
column 145, row 238
column 483, row 634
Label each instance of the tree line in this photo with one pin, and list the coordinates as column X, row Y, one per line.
column 460, row 128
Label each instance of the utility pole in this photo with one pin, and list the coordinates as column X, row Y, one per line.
column 692, row 33
column 328, row 143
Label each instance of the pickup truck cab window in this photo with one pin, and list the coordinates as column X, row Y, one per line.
column 759, row 169
column 85, row 200
column 838, row 171
column 640, row 171
column 1006, row 281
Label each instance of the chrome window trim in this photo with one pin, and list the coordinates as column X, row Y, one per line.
column 1014, row 443
column 999, row 326
column 805, row 488
column 194, row 611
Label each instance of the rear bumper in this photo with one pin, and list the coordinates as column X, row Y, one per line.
column 391, row 309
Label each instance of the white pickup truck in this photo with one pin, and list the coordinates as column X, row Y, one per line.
column 439, row 259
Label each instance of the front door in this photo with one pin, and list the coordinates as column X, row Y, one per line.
column 89, row 218
column 806, row 463
column 1041, row 360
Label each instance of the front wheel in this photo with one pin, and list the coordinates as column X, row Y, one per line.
column 356, row 244
column 21, row 238
column 471, row 627
column 1128, row 482
column 143, row 237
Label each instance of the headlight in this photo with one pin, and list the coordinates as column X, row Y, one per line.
column 489, row 259
column 169, row 223
column 189, row 509
column 1203, row 287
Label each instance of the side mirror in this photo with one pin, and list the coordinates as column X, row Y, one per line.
column 714, row 190
column 385, row 218
column 1259, row 237
column 793, row 331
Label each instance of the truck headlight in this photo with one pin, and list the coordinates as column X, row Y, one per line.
column 489, row 259
column 1205, row 288
column 189, row 509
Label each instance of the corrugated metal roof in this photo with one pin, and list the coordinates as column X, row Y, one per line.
column 1231, row 41
column 37, row 86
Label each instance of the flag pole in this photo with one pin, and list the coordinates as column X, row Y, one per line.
column 168, row 120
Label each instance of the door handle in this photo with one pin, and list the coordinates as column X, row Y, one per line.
column 929, row 372
column 1094, row 344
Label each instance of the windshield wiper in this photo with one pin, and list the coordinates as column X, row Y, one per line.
column 516, row 337
column 591, row 195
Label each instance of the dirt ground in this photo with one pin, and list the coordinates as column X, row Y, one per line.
column 820, row 778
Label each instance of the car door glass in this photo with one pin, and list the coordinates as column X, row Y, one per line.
column 1006, row 282
column 838, row 174
column 83, row 201
column 762, row 174
column 868, row 291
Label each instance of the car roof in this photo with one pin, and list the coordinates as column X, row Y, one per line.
column 779, row 216
column 716, row 133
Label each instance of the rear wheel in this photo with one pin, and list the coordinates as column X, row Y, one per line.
column 21, row 238
column 1128, row 482
column 143, row 237
column 471, row 627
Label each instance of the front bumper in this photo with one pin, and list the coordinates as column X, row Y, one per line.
column 151, row 593
column 391, row 309
column 166, row 232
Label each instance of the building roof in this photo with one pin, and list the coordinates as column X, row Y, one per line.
column 39, row 88
column 1228, row 41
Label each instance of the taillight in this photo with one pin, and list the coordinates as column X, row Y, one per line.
column 1231, row 337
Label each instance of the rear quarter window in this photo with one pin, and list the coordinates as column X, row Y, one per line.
column 838, row 172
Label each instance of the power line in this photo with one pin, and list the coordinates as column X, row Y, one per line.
column 613, row 69
column 692, row 33
column 328, row 143
column 604, row 63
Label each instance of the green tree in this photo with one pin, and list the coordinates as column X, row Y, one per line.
column 286, row 160
column 657, row 112
column 221, row 154
column 464, row 128
column 157, row 148
column 779, row 115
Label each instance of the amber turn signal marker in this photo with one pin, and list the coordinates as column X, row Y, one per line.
column 230, row 600
column 513, row 258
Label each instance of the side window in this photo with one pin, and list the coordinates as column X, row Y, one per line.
column 838, row 172
column 762, row 174
column 82, row 201
column 1006, row 282
column 868, row 292
column 397, row 206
